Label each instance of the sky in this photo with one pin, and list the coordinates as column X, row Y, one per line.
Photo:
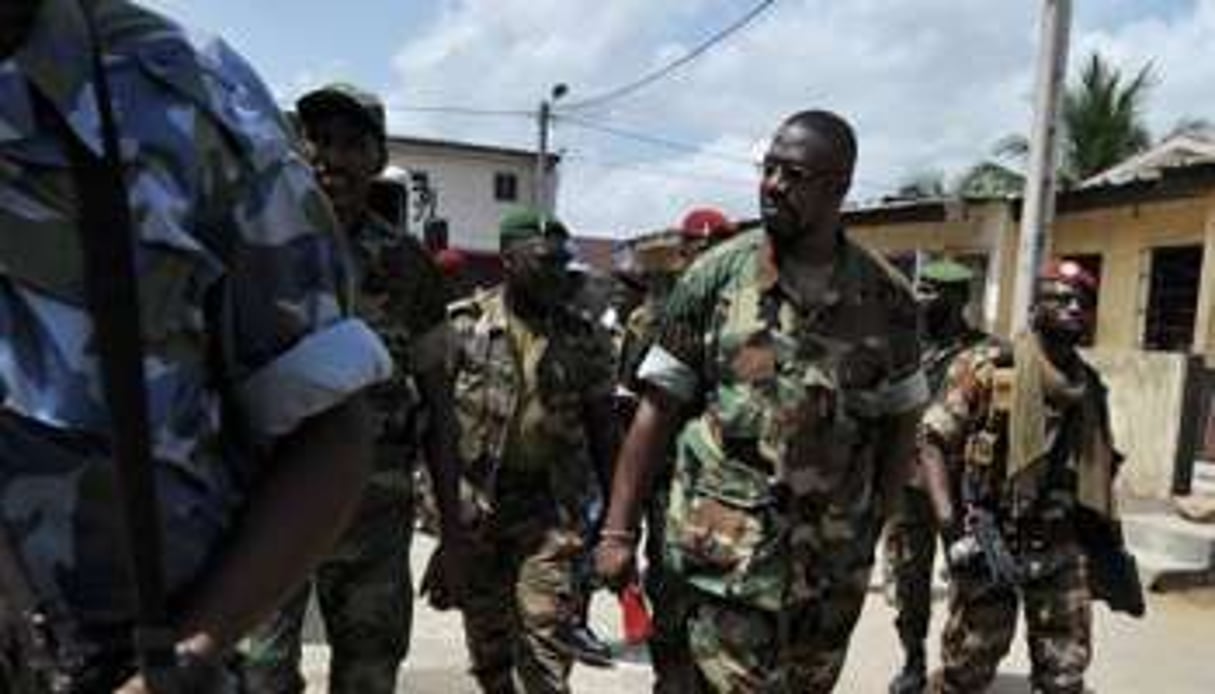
column 930, row 85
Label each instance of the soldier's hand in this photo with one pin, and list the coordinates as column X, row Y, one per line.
column 615, row 561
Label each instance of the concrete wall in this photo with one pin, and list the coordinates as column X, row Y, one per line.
column 984, row 228
column 1122, row 234
column 1124, row 237
column 1147, row 392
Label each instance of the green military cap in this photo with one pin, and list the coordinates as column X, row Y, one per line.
column 526, row 223
column 341, row 96
column 946, row 271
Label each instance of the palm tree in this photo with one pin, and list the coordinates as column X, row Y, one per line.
column 1102, row 124
column 1103, row 119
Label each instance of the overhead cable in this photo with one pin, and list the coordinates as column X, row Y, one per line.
column 654, row 76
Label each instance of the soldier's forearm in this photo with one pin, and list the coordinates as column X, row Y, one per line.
column 642, row 455
column 314, row 482
column 603, row 429
column 937, row 483
column 440, row 443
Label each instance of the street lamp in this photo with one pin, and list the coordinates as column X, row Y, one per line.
column 540, row 193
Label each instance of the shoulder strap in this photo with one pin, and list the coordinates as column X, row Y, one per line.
column 107, row 239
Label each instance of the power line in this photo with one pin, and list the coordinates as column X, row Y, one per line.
column 460, row 110
column 674, row 65
column 654, row 140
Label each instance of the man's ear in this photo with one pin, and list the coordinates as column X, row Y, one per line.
column 840, row 185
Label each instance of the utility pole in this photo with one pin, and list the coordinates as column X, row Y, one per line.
column 1038, row 211
column 544, row 121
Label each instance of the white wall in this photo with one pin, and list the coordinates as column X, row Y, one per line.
column 1147, row 397
column 464, row 182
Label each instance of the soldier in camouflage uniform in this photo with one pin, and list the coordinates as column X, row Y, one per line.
column 661, row 261
column 533, row 396
column 241, row 308
column 364, row 588
column 911, row 536
column 1023, row 431
column 793, row 352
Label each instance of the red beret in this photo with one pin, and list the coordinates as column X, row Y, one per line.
column 1069, row 272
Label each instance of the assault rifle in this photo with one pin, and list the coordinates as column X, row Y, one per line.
column 984, row 544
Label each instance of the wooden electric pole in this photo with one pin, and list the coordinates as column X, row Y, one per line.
column 1038, row 211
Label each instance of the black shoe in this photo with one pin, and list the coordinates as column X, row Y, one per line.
column 583, row 645
column 912, row 679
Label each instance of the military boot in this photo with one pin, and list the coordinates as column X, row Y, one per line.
column 913, row 678
column 584, row 645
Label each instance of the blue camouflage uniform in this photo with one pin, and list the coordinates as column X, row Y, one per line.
column 239, row 290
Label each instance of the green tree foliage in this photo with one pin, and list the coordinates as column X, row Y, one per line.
column 1102, row 120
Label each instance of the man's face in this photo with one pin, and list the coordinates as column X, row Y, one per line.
column 347, row 157
column 942, row 304
column 537, row 269
column 16, row 20
column 1063, row 311
column 802, row 185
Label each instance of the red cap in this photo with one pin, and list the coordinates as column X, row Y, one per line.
column 706, row 223
column 1069, row 272
column 450, row 261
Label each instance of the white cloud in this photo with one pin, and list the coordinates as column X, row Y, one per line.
column 1182, row 53
column 930, row 85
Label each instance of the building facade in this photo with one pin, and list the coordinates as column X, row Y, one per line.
column 469, row 186
column 1151, row 243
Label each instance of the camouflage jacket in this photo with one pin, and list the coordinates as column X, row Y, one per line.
column 237, row 256
column 496, row 382
column 401, row 294
column 774, row 496
column 939, row 355
column 969, row 420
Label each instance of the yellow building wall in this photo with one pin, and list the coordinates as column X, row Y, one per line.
column 1122, row 235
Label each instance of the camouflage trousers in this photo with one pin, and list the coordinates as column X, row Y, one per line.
column 365, row 594
column 668, row 598
column 739, row 649
column 521, row 591
column 911, row 548
column 983, row 620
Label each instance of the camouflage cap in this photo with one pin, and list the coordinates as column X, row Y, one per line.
column 341, row 96
column 526, row 223
column 946, row 271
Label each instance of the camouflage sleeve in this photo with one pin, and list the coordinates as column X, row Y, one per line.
column 676, row 360
column 292, row 350
column 952, row 414
column 418, row 297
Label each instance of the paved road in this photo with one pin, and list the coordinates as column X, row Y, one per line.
column 1169, row 652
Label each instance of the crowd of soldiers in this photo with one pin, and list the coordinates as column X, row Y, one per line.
column 778, row 398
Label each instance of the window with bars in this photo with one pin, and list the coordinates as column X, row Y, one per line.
column 1172, row 298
